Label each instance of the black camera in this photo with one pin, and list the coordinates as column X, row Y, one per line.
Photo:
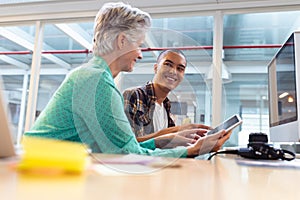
column 258, row 148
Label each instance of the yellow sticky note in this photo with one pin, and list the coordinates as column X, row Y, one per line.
column 53, row 155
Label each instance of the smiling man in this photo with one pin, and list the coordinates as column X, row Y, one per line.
column 147, row 107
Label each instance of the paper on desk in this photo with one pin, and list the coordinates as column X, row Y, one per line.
column 127, row 159
column 131, row 164
column 122, row 169
column 269, row 163
column 138, row 159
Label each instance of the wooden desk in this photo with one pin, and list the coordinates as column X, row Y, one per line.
column 218, row 179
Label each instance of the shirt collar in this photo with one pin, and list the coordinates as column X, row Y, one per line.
column 150, row 91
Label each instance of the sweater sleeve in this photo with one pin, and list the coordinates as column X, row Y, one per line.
column 149, row 144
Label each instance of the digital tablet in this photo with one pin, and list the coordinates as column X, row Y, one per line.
column 227, row 125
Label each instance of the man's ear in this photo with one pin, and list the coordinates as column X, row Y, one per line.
column 121, row 40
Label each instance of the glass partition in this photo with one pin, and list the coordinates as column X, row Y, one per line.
column 16, row 45
column 250, row 42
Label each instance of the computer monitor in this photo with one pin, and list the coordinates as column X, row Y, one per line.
column 284, row 92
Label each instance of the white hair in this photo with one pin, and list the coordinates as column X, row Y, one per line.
column 114, row 18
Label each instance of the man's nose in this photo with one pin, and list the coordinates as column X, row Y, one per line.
column 173, row 70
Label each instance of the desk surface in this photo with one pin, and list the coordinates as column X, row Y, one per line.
column 220, row 178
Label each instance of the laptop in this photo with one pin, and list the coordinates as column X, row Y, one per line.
column 7, row 147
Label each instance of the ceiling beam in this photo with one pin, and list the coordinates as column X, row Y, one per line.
column 77, row 34
column 25, row 40
column 13, row 61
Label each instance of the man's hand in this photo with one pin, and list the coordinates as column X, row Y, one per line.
column 181, row 138
column 193, row 126
column 195, row 133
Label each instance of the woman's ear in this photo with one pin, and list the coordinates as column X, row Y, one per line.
column 121, row 40
column 155, row 68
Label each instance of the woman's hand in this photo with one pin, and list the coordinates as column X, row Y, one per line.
column 209, row 143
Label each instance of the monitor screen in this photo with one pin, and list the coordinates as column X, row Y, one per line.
column 282, row 86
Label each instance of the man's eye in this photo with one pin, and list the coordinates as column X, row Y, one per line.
column 181, row 69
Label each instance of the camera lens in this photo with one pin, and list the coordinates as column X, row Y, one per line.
column 258, row 138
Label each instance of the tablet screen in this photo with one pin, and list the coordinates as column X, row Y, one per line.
column 227, row 125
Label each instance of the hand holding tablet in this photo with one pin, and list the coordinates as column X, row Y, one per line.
column 215, row 135
column 214, row 138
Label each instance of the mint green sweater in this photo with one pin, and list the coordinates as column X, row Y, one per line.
column 88, row 108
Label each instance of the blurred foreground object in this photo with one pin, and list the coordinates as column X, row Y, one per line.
column 52, row 156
